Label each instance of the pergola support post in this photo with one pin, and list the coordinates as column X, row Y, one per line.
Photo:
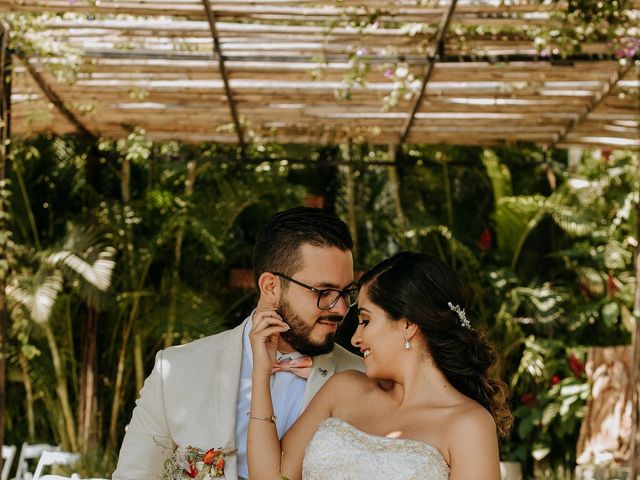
column 5, row 132
column 635, row 342
column 635, row 356
column 635, row 334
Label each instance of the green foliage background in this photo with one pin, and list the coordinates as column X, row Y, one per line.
column 546, row 246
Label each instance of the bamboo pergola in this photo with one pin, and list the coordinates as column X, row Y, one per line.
column 239, row 71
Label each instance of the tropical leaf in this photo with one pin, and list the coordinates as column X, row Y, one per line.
column 532, row 365
column 583, row 315
column 197, row 315
column 550, row 413
column 571, row 212
column 516, row 218
column 587, row 192
column 498, row 173
column 616, row 256
column 457, row 249
column 37, row 293
column 591, row 279
column 542, row 304
column 97, row 272
column 624, row 213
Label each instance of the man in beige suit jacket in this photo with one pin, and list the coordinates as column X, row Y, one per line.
column 199, row 394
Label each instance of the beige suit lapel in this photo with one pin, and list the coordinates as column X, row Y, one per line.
column 226, row 382
column 323, row 368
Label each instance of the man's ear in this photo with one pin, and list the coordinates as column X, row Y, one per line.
column 269, row 286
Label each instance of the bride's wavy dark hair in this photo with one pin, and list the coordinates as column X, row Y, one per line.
column 418, row 288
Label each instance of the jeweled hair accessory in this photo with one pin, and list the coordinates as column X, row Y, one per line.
column 461, row 315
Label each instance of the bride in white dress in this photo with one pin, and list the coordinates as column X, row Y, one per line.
column 427, row 407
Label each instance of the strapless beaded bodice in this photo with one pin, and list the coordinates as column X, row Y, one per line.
column 340, row 451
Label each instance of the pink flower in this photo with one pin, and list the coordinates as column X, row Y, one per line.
column 388, row 73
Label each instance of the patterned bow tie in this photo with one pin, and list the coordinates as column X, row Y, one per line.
column 298, row 366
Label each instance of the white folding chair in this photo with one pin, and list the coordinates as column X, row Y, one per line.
column 30, row 452
column 510, row 470
column 54, row 458
column 8, row 454
column 74, row 476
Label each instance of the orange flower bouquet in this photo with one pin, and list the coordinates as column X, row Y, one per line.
column 189, row 462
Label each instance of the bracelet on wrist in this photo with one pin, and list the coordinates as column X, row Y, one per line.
column 271, row 419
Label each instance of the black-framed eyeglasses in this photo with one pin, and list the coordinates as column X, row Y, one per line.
column 327, row 297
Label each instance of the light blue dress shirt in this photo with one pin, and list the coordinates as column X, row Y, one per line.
column 287, row 394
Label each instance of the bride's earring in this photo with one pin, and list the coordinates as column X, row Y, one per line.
column 407, row 345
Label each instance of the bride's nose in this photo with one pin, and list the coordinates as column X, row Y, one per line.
column 356, row 340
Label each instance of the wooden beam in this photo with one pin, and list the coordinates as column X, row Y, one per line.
column 223, row 72
column 596, row 100
column 94, row 52
column 53, row 97
column 428, row 69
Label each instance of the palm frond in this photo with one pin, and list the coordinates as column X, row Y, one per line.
column 196, row 314
column 37, row 293
column 97, row 272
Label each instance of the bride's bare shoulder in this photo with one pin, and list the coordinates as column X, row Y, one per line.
column 351, row 381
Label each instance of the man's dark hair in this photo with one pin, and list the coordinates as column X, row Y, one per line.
column 277, row 248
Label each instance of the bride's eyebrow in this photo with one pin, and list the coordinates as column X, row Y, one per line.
column 363, row 310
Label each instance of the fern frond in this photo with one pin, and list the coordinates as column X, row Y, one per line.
column 543, row 304
column 457, row 248
column 592, row 280
column 570, row 213
column 616, row 256
column 532, row 365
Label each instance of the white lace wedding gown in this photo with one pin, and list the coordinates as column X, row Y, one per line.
column 339, row 451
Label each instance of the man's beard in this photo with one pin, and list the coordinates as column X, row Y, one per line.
column 298, row 337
